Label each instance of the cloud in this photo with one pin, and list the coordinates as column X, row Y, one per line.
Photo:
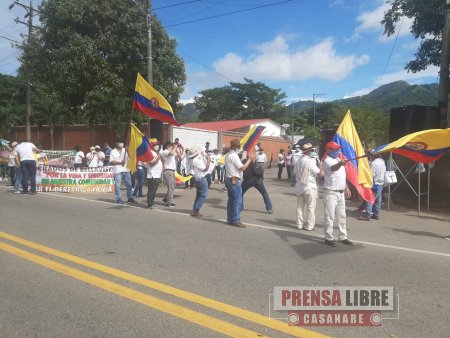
column 370, row 21
column 430, row 74
column 275, row 61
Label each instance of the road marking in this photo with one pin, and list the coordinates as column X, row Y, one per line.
column 394, row 247
column 192, row 297
column 151, row 301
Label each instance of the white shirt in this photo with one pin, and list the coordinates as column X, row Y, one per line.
column 261, row 157
column 198, row 166
column 92, row 159
column 378, row 170
column 119, row 156
column 154, row 171
column 233, row 165
column 25, row 151
column 12, row 158
column 101, row 158
column 304, row 162
column 79, row 157
column 170, row 161
column 334, row 180
column 280, row 159
column 296, row 155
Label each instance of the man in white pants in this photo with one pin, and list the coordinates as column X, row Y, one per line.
column 306, row 171
column 335, row 190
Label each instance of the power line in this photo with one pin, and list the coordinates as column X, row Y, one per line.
column 6, row 38
column 207, row 67
column 392, row 50
column 174, row 5
column 230, row 13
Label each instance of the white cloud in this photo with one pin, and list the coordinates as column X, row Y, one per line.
column 275, row 61
column 370, row 21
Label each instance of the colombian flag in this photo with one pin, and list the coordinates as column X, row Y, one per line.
column 357, row 170
column 151, row 103
column 250, row 138
column 423, row 146
column 139, row 148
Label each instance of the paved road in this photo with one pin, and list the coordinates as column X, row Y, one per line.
column 76, row 265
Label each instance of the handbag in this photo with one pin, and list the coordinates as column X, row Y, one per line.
column 390, row 178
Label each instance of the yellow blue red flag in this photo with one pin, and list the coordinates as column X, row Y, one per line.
column 139, row 148
column 423, row 146
column 150, row 102
column 358, row 171
column 250, row 138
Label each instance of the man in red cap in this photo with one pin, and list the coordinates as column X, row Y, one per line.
column 335, row 189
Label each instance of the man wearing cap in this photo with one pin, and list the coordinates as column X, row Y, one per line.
column 233, row 178
column 335, row 186
column 92, row 158
column 101, row 156
column 306, row 171
column 119, row 159
column 25, row 156
column 154, row 173
column 200, row 169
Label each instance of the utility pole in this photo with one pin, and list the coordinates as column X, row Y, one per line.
column 292, row 126
column 30, row 13
column 314, row 107
column 155, row 127
column 444, row 71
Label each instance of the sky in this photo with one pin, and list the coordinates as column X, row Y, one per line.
column 326, row 49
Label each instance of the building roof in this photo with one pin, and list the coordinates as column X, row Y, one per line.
column 224, row 125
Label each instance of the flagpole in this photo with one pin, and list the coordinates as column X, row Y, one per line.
column 149, row 51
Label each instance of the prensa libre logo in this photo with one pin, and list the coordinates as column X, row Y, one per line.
column 334, row 306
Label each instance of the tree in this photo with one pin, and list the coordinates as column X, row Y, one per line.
column 246, row 100
column 427, row 25
column 88, row 53
column 12, row 98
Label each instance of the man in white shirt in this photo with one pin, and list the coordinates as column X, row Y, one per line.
column 260, row 160
column 378, row 167
column 296, row 155
column 233, row 182
column 92, row 158
column 79, row 156
column 118, row 159
column 25, row 156
column 101, row 156
column 200, row 169
column 306, row 171
column 209, row 155
column 215, row 156
column 170, row 165
column 335, row 186
column 154, row 173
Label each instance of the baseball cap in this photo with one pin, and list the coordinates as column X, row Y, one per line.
column 333, row 145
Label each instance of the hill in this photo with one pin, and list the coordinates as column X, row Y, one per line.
column 382, row 99
column 395, row 94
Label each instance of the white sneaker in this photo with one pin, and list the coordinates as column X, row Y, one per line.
column 5, row 179
column 1, row 179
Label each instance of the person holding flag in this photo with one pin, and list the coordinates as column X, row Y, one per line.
column 335, row 191
column 200, row 168
column 119, row 160
column 154, row 173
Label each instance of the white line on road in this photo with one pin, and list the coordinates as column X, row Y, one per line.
column 259, row 226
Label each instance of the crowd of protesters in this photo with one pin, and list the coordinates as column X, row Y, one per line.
column 201, row 167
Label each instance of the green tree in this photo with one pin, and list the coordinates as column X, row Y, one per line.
column 12, row 98
column 427, row 25
column 246, row 100
column 87, row 51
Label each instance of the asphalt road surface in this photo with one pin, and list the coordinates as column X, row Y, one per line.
column 78, row 265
